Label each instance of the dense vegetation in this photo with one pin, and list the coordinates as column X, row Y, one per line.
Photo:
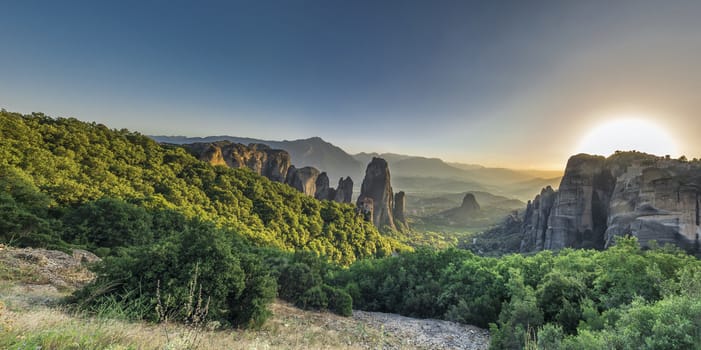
column 69, row 166
column 622, row 298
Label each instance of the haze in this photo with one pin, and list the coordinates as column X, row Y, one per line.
column 500, row 83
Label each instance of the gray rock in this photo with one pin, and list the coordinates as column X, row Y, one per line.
column 304, row 180
column 376, row 186
column 344, row 191
column 261, row 159
column 322, row 187
column 398, row 210
column 629, row 193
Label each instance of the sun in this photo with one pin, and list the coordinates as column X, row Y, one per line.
column 625, row 133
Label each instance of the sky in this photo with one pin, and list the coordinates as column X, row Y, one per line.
column 500, row 83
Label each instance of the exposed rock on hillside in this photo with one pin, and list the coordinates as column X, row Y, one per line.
column 322, row 187
column 304, row 180
column 469, row 203
column 462, row 214
column 535, row 222
column 344, row 191
column 398, row 210
column 377, row 187
column 600, row 198
column 271, row 163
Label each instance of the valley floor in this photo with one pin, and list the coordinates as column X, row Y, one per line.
column 32, row 281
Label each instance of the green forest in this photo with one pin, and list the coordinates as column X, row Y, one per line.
column 170, row 227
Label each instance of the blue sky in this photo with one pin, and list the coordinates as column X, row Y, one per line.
column 510, row 83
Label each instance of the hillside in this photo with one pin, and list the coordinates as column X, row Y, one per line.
column 66, row 163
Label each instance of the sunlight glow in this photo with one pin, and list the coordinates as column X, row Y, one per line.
column 626, row 133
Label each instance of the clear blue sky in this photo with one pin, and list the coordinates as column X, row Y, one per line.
column 513, row 83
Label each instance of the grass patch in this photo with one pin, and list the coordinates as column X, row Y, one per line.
column 21, row 273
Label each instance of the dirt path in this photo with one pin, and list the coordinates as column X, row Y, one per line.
column 425, row 333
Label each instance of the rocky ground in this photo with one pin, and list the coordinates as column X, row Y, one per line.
column 426, row 333
column 32, row 280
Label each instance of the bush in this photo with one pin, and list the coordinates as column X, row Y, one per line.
column 235, row 284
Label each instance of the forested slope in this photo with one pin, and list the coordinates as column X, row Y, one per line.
column 70, row 165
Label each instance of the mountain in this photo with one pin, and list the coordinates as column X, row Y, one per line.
column 311, row 152
column 629, row 193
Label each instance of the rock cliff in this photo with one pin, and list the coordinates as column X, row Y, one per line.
column 461, row 215
column 469, row 203
column 344, row 191
column 271, row 163
column 377, row 187
column 535, row 222
column 398, row 210
column 304, row 180
column 323, row 190
column 628, row 193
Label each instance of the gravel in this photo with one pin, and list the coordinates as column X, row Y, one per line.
column 425, row 333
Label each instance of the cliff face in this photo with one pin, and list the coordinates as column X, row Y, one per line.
column 398, row 210
column 304, row 180
column 600, row 198
column 376, row 200
column 344, row 191
column 271, row 163
column 323, row 191
column 658, row 201
column 535, row 222
column 461, row 215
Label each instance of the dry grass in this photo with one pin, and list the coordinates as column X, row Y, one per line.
column 32, row 281
column 289, row 328
column 31, row 319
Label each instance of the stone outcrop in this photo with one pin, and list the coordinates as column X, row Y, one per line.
column 469, row 203
column 344, row 191
column 398, row 210
column 273, row 164
column 322, row 187
column 261, row 159
column 378, row 188
column 304, row 180
column 461, row 215
column 535, row 221
column 629, row 193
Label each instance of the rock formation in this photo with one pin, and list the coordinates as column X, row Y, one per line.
column 398, row 210
column 344, row 191
column 376, row 186
column 322, row 187
column 461, row 215
column 271, row 163
column 535, row 221
column 304, row 180
column 469, row 203
column 629, row 193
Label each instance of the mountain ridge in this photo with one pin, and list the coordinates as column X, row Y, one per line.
column 416, row 170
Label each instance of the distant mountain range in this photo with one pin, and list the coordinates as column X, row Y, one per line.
column 411, row 174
